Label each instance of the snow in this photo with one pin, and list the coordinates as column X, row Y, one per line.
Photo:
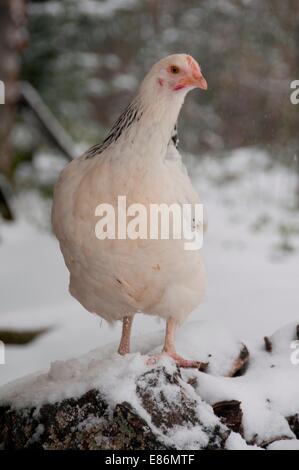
column 236, row 442
column 251, row 251
column 252, row 279
column 125, row 82
column 211, row 343
column 104, row 9
column 268, row 391
column 291, row 444
column 115, row 376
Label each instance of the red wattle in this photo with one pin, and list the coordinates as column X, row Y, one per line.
column 179, row 87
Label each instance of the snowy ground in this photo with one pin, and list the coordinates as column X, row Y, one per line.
column 268, row 391
column 251, row 251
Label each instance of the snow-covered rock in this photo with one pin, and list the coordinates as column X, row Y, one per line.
column 268, row 392
column 106, row 401
column 127, row 409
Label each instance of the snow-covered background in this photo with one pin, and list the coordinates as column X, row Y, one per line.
column 251, row 251
column 85, row 60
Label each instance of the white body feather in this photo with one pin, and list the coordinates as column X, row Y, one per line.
column 116, row 278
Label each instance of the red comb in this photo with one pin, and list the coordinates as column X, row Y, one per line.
column 193, row 64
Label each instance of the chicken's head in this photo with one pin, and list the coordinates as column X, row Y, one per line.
column 179, row 72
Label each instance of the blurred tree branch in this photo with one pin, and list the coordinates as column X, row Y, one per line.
column 12, row 41
column 50, row 124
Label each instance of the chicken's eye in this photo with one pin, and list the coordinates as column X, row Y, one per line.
column 174, row 69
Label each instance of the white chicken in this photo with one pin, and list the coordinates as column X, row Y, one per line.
column 117, row 278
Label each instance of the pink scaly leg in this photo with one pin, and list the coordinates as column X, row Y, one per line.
column 169, row 350
column 124, row 345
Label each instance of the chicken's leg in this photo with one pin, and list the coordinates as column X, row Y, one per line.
column 169, row 349
column 124, row 345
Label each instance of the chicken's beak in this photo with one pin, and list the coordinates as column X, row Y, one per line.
column 198, row 81
column 202, row 83
column 195, row 80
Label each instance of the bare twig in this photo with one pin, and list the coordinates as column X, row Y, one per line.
column 53, row 128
